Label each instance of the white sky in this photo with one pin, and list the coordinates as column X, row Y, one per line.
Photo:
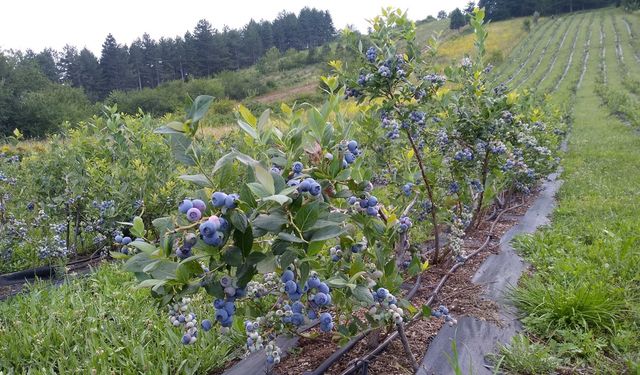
column 38, row 24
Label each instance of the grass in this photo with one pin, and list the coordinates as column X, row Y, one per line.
column 524, row 357
column 584, row 296
column 503, row 37
column 101, row 325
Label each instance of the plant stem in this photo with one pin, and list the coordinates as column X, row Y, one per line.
column 434, row 218
column 407, row 348
column 485, row 170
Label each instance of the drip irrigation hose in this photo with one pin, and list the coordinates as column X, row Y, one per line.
column 366, row 359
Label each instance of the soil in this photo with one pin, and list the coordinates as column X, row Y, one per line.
column 459, row 294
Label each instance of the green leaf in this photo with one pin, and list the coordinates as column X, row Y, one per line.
column 307, row 216
column 337, row 282
column 245, row 274
column 248, row 129
column 344, row 175
column 271, row 223
column 426, row 311
column 243, row 240
column 180, row 145
column 138, row 227
column 149, row 283
column 287, row 258
column 118, row 255
column 143, row 246
column 280, row 199
column 214, row 288
column 224, row 160
column 198, row 179
column 327, row 233
column 174, row 127
column 165, row 270
column 151, row 266
column 233, row 256
column 239, row 220
column 264, row 119
column 255, row 257
column 186, row 270
column 247, row 115
column 200, row 107
column 137, row 262
column 267, row 265
column 264, row 178
column 290, row 237
column 259, row 190
column 363, row 294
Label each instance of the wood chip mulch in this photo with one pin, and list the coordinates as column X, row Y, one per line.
column 459, row 294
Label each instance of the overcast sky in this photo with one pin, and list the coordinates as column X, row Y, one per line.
column 38, row 24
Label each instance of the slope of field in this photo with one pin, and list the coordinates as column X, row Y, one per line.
column 580, row 307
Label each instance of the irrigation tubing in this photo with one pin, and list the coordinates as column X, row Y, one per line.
column 335, row 356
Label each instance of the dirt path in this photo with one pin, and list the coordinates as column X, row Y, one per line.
column 281, row 95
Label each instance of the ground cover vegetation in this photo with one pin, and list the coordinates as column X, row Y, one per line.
column 313, row 213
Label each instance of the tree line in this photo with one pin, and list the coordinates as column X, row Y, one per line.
column 502, row 9
column 199, row 53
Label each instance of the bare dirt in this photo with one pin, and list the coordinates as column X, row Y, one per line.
column 282, row 95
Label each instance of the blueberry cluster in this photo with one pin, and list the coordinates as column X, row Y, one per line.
column 189, row 241
column 435, row 80
column 463, row 155
column 273, row 353
column 363, row 79
column 308, row 185
column 500, row 89
column 507, row 116
column 371, row 54
column 336, row 253
column 406, row 188
column 226, row 308
column 54, row 246
column 454, row 187
column 385, row 306
column 326, row 322
column 442, row 139
column 178, row 316
column 122, row 242
column 404, row 224
column 212, row 231
column 418, row 117
column 318, row 297
column 425, row 209
column 466, row 63
column 367, row 204
column 391, row 125
column 351, row 92
column 351, row 153
column 497, row 147
column 254, row 339
column 194, row 209
column 104, row 206
column 476, row 186
column 443, row 312
column 384, row 71
column 256, row 289
column 220, row 199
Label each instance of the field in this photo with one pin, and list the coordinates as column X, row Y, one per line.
column 565, row 94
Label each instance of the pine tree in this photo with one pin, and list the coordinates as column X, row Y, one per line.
column 457, row 19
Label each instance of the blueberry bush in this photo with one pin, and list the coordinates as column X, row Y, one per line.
column 65, row 196
column 308, row 217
